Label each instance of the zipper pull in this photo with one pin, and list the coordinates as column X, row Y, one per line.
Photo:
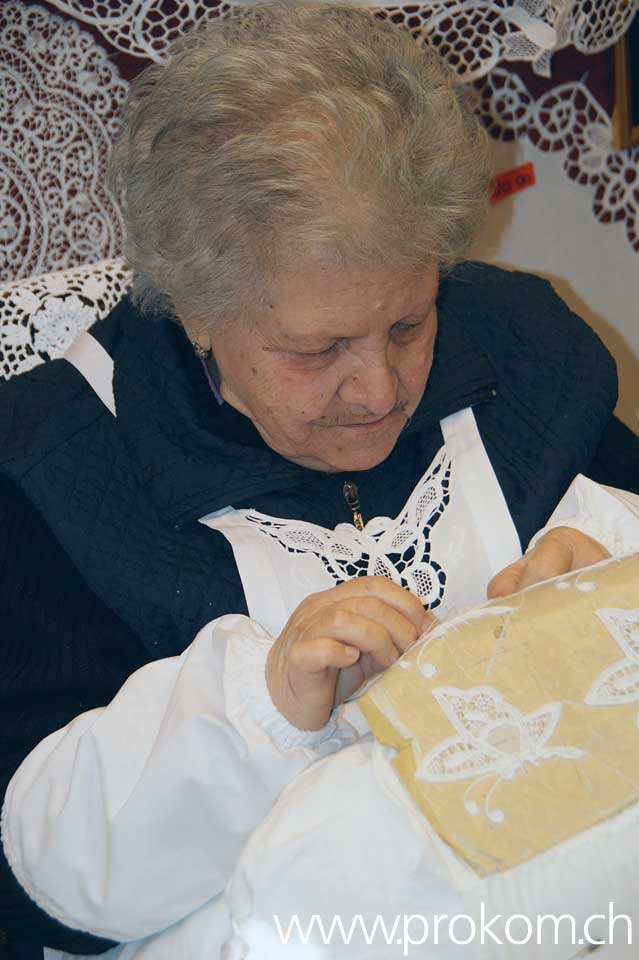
column 351, row 495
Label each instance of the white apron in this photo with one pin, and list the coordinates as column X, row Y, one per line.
column 452, row 536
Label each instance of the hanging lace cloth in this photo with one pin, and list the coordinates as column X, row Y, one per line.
column 474, row 35
column 61, row 94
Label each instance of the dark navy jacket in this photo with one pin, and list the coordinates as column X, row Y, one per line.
column 106, row 566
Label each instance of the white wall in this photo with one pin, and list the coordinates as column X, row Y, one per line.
column 550, row 229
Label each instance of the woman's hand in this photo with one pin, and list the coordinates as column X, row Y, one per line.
column 561, row 550
column 335, row 641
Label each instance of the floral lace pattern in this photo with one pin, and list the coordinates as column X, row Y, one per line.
column 473, row 35
column 618, row 683
column 398, row 549
column 42, row 317
column 62, row 95
column 60, row 98
column 568, row 119
column 495, row 740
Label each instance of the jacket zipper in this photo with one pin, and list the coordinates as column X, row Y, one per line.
column 351, row 495
column 192, row 514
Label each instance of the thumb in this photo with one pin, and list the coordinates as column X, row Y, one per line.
column 552, row 556
column 508, row 580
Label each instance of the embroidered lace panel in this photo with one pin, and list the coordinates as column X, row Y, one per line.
column 516, row 729
column 398, row 549
column 496, row 740
column 618, row 683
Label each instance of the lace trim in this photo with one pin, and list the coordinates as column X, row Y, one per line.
column 473, row 35
column 398, row 549
column 495, row 741
column 42, row 317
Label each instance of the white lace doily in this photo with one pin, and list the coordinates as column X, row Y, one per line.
column 40, row 318
column 568, row 119
column 60, row 96
column 473, row 35
column 59, row 102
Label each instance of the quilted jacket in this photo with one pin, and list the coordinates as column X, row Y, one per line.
column 105, row 564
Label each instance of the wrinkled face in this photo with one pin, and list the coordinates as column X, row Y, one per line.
column 331, row 371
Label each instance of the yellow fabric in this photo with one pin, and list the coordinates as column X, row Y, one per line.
column 517, row 726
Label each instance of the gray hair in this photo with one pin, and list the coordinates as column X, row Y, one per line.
column 290, row 134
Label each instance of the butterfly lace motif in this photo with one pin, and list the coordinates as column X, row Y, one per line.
column 495, row 741
column 619, row 683
column 398, row 549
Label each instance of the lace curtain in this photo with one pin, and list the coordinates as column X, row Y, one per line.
column 66, row 66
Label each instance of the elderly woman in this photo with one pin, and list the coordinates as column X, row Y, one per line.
column 309, row 425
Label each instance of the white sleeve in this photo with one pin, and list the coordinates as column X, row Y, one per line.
column 133, row 815
column 607, row 515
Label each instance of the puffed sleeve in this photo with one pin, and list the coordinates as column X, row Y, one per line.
column 133, row 815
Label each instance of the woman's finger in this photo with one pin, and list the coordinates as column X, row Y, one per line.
column 507, row 580
column 559, row 551
column 353, row 629
column 403, row 631
column 542, row 563
column 402, row 600
column 321, row 653
column 550, row 558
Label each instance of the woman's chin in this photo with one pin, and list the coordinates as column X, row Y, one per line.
column 355, row 448
column 344, row 448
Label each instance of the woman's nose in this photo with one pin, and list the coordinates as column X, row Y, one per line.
column 372, row 385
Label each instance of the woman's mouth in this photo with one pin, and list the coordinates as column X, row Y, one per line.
column 368, row 424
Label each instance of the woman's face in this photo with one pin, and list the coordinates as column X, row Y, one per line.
column 334, row 367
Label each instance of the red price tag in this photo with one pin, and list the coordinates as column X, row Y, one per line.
column 512, row 181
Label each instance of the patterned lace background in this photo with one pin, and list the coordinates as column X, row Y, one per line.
column 540, row 71
column 64, row 73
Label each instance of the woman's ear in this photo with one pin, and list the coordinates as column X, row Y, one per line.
column 195, row 331
column 201, row 344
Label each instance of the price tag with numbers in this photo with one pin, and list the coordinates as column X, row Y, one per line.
column 511, row 181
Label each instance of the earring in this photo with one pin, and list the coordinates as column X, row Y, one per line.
column 200, row 351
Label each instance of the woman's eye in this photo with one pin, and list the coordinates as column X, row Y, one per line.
column 406, row 330
column 323, row 353
column 318, row 354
